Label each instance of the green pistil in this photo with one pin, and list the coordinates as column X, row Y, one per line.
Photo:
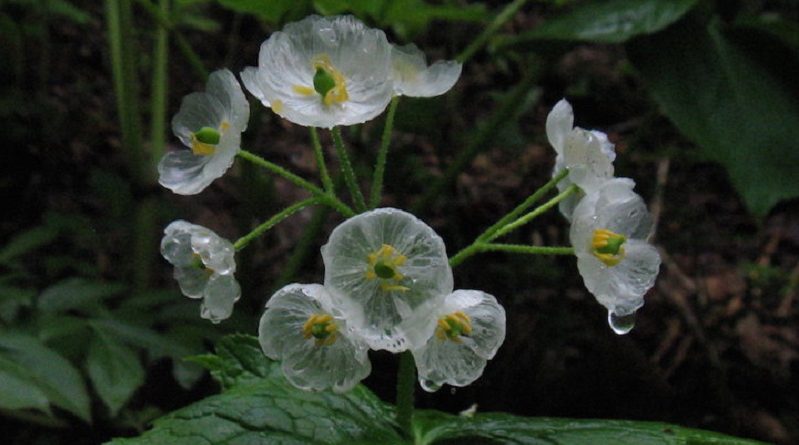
column 323, row 82
column 208, row 135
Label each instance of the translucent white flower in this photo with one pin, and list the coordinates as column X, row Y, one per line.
column 204, row 267
column 388, row 271
column 210, row 124
column 470, row 328
column 413, row 77
column 323, row 72
column 588, row 155
column 303, row 330
column 609, row 232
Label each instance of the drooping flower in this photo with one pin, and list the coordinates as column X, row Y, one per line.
column 470, row 328
column 323, row 72
column 204, row 267
column 413, row 77
column 388, row 271
column 588, row 154
column 303, row 330
column 609, row 233
column 210, row 124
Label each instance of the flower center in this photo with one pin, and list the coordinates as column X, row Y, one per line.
column 322, row 328
column 328, row 82
column 384, row 265
column 205, row 140
column 453, row 326
column 197, row 262
column 608, row 247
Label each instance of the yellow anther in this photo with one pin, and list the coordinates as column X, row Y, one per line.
column 302, row 90
column 277, row 106
column 453, row 326
column 384, row 265
column 322, row 328
column 607, row 246
column 200, row 148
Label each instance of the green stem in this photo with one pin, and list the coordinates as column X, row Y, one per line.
column 382, row 155
column 506, row 14
column 303, row 247
column 273, row 221
column 479, row 247
column 349, row 174
column 524, row 248
column 324, row 197
column 120, row 41
column 515, row 213
column 159, row 89
column 406, row 384
column 535, row 213
column 487, row 134
column 320, row 161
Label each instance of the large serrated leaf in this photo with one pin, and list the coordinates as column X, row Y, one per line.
column 54, row 375
column 735, row 93
column 612, row 21
column 433, row 426
column 260, row 406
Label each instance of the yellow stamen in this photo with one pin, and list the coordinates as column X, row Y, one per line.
column 205, row 149
column 384, row 265
column 277, row 106
column 453, row 326
column 336, row 95
column 607, row 246
column 322, row 328
column 303, row 90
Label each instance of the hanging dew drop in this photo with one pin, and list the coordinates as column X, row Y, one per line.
column 429, row 385
column 621, row 324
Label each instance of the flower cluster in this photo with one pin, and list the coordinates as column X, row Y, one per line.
column 388, row 285
column 609, row 222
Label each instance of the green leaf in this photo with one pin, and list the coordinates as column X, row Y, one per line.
column 260, row 406
column 734, row 92
column 18, row 390
column 55, row 376
column 27, row 241
column 76, row 293
column 68, row 10
column 432, row 426
column 114, row 370
column 612, row 21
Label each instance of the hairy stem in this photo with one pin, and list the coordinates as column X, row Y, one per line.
column 346, row 169
column 382, row 155
column 406, row 384
column 273, row 221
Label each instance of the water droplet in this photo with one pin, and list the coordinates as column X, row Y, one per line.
column 621, row 324
column 429, row 385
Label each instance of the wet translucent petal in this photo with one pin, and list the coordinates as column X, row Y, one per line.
column 413, row 77
column 588, row 164
column 388, row 319
column 560, row 122
column 461, row 362
column 362, row 55
column 305, row 363
column 204, row 265
column 223, row 107
column 221, row 292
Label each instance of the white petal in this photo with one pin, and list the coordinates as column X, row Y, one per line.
column 361, row 54
column 176, row 244
column 339, row 366
column 197, row 110
column 224, row 87
column 621, row 288
column 412, row 76
column 487, row 317
column 381, row 316
column 444, row 361
column 192, row 281
column 183, row 172
column 560, row 122
column 219, row 296
column 589, row 166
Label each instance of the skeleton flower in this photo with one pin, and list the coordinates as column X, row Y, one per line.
column 413, row 77
column 323, row 72
column 470, row 328
column 609, row 231
column 210, row 124
column 204, row 267
column 301, row 328
column 588, row 155
column 388, row 271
